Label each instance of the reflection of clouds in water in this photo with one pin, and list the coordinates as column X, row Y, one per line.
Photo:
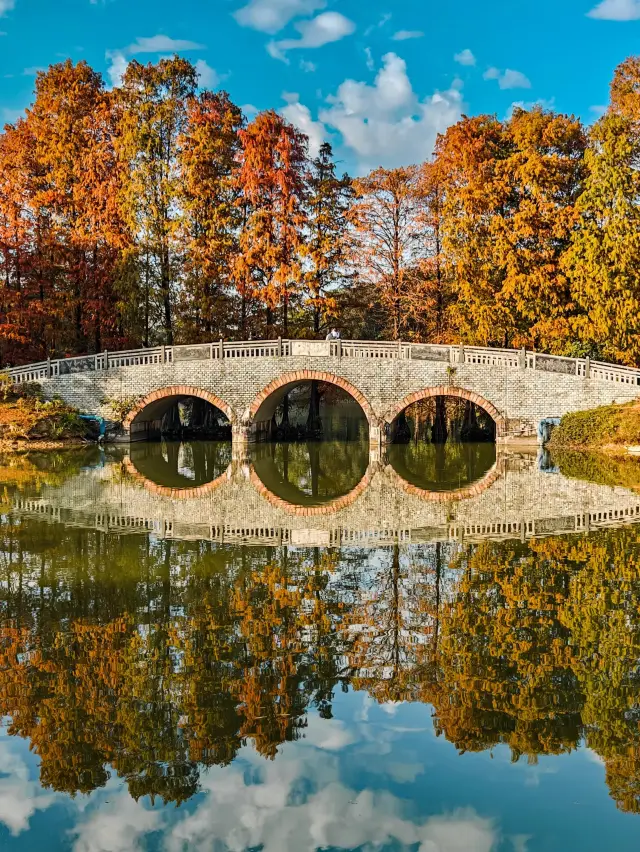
column 120, row 825
column 520, row 842
column 302, row 805
column 297, row 803
column 20, row 797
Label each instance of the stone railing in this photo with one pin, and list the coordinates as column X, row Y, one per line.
column 370, row 350
column 266, row 535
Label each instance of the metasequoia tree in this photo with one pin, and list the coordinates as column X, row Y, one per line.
column 603, row 261
column 625, row 89
column 431, row 312
column 476, row 192
column 271, row 180
column 150, row 214
column 59, row 208
column 387, row 242
column 153, row 119
column 27, row 308
column 211, row 217
column 544, row 170
column 328, row 202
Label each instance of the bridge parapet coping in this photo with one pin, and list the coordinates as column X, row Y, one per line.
column 362, row 349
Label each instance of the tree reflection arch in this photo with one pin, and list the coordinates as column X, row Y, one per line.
column 456, row 495
column 268, row 400
column 450, row 391
column 152, row 408
column 172, row 492
column 329, row 508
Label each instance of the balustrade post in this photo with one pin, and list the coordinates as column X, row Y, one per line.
column 221, row 349
column 162, row 354
column 587, row 368
column 339, row 347
column 522, row 359
column 461, row 353
column 48, row 368
column 105, row 359
column 279, row 347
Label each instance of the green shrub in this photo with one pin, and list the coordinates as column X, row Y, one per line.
column 610, row 424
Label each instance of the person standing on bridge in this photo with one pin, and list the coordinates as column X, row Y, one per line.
column 334, row 334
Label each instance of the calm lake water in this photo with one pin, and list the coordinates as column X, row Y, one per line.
column 313, row 649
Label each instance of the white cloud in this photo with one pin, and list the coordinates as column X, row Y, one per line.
column 33, row 71
column 508, row 79
column 598, row 110
column 161, row 44
column 10, row 116
column 117, row 66
column 544, row 103
column 300, row 116
column 270, row 16
column 371, row 65
column 616, row 10
column 118, row 60
column 387, row 123
column 465, row 57
column 208, row 77
column 20, row 798
column 384, row 20
column 308, row 67
column 405, row 35
column 323, row 29
column 6, row 6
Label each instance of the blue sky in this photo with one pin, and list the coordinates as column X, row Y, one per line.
column 378, row 78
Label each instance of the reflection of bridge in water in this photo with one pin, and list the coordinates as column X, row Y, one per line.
column 514, row 501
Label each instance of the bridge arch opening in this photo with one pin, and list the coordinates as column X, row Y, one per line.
column 180, row 412
column 179, row 469
column 311, row 405
column 444, row 414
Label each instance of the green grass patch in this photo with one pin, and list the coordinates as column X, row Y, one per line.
column 607, row 426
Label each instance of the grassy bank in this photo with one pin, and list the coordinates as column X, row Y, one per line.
column 27, row 420
column 610, row 429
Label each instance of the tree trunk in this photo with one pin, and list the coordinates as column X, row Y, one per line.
column 470, row 429
column 439, row 433
column 314, row 423
column 171, row 424
column 401, row 430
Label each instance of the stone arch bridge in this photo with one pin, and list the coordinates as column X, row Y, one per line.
column 247, row 381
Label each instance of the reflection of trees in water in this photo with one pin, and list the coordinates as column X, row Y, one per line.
column 440, row 419
column 311, row 473
column 157, row 657
column 441, row 467
column 181, row 464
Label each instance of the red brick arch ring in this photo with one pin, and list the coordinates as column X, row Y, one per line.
column 155, row 404
column 448, row 390
column 270, row 397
